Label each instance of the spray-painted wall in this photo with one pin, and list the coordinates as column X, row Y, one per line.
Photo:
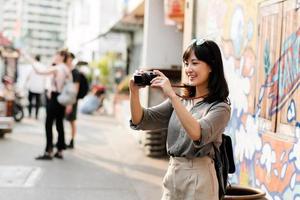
column 260, row 42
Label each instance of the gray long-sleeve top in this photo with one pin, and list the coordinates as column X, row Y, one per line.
column 212, row 118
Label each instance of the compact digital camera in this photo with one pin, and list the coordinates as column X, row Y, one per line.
column 144, row 78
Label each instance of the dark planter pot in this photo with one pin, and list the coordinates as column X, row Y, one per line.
column 235, row 192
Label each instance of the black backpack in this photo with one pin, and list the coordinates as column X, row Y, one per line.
column 224, row 161
column 83, row 86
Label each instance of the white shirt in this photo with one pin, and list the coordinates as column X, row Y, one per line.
column 36, row 82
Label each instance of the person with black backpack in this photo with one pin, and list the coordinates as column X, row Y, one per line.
column 82, row 88
column 195, row 119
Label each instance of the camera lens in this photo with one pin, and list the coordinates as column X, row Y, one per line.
column 144, row 78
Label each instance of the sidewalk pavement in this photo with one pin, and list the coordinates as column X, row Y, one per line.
column 105, row 164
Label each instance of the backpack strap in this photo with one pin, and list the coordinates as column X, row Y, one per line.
column 212, row 105
column 209, row 108
column 222, row 171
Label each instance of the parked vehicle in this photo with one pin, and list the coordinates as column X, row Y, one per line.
column 8, row 74
column 6, row 120
column 6, row 107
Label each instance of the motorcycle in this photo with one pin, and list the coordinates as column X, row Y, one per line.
column 18, row 108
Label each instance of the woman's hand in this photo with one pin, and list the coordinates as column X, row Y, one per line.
column 134, row 88
column 135, row 105
column 69, row 109
column 163, row 82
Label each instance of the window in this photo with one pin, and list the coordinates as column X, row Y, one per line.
column 278, row 74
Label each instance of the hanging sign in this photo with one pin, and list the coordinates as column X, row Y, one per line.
column 174, row 11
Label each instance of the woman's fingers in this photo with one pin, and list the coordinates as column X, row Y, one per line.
column 159, row 81
column 132, row 84
column 159, row 78
column 157, row 72
column 156, row 79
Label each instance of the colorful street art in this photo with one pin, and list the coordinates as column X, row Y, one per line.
column 264, row 159
column 284, row 77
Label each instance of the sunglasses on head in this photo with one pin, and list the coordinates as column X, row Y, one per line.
column 202, row 41
column 198, row 42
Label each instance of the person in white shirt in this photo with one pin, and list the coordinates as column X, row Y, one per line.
column 36, row 87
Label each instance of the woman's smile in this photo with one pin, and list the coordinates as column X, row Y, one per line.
column 192, row 77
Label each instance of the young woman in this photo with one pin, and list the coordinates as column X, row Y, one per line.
column 54, row 111
column 195, row 122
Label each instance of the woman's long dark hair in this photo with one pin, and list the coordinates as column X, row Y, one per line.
column 209, row 52
column 64, row 54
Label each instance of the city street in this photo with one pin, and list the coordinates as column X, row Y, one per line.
column 235, row 71
column 105, row 164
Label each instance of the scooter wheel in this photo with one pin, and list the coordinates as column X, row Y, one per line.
column 18, row 113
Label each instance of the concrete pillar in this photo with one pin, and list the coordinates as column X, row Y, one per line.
column 188, row 34
column 162, row 44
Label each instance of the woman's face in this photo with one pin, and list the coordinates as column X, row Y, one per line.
column 58, row 59
column 69, row 61
column 197, row 71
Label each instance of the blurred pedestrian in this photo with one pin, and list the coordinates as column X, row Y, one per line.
column 54, row 111
column 93, row 101
column 35, row 84
column 71, row 111
column 195, row 122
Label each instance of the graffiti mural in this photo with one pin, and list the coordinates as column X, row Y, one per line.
column 263, row 159
column 291, row 113
column 284, row 76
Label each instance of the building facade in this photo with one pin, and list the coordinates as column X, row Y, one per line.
column 1, row 15
column 260, row 43
column 39, row 27
column 88, row 28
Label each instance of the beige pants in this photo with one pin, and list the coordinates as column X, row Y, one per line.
column 190, row 179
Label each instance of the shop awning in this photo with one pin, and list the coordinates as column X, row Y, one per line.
column 136, row 16
column 130, row 22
